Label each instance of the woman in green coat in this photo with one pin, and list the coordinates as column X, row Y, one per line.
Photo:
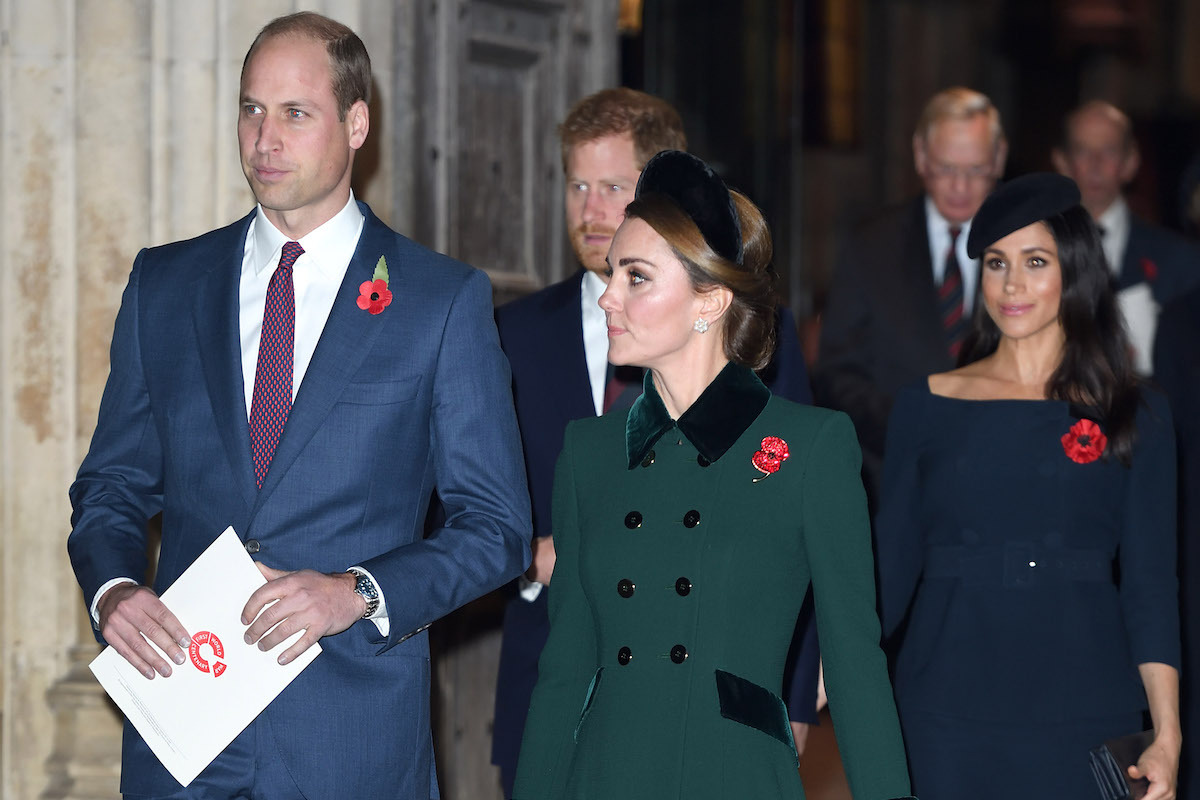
column 688, row 530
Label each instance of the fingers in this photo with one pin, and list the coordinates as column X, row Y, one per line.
column 1155, row 766
column 307, row 601
column 131, row 617
column 262, row 596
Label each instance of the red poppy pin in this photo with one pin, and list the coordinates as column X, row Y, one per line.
column 767, row 460
column 1149, row 269
column 374, row 295
column 1085, row 442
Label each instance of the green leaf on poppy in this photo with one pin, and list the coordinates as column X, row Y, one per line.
column 381, row 273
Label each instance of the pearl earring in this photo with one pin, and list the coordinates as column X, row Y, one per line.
column 700, row 325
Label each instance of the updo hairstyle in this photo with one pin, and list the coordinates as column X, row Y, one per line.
column 749, row 323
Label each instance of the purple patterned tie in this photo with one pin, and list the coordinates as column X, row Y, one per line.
column 950, row 298
column 273, row 377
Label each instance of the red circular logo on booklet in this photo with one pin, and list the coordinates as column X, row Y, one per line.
column 218, row 649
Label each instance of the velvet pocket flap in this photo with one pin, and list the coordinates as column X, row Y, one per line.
column 750, row 704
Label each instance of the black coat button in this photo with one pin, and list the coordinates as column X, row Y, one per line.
column 701, row 460
column 624, row 656
column 683, row 586
column 633, row 520
column 649, row 459
column 692, row 518
column 625, row 587
column 679, row 654
column 252, row 546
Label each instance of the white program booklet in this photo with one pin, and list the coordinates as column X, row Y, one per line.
column 223, row 684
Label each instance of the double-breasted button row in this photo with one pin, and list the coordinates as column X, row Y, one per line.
column 626, row 587
column 678, row 654
column 633, row 519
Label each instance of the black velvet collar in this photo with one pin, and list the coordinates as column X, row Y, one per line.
column 720, row 415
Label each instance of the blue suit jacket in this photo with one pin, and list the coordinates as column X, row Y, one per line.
column 542, row 335
column 391, row 407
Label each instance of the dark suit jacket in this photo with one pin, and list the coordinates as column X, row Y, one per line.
column 542, row 334
column 881, row 328
column 391, row 406
column 1167, row 261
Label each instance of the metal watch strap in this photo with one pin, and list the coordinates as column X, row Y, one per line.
column 365, row 587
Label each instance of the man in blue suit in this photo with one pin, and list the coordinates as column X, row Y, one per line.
column 309, row 377
column 557, row 342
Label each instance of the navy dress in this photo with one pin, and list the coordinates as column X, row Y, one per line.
column 1021, row 589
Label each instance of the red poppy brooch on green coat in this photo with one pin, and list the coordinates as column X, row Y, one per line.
column 768, row 459
column 374, row 295
column 1085, row 442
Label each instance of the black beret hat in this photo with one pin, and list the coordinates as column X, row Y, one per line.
column 700, row 193
column 1017, row 203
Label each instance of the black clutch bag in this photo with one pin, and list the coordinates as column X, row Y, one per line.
column 1111, row 762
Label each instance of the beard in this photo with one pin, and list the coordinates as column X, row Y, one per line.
column 591, row 256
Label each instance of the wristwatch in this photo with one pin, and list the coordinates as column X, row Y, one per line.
column 365, row 587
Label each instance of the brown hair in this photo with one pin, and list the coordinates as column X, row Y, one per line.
column 653, row 123
column 749, row 328
column 349, row 63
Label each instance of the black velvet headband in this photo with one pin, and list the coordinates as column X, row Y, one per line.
column 700, row 193
column 1017, row 203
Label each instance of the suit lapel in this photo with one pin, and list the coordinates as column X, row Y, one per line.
column 566, row 349
column 215, row 315
column 345, row 341
column 918, row 284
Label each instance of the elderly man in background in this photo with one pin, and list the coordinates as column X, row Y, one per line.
column 1151, row 266
column 903, row 287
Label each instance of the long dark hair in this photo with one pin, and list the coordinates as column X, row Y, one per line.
column 1096, row 371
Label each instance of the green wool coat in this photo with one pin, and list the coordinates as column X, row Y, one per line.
column 685, row 550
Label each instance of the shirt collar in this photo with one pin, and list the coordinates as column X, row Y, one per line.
column 718, row 418
column 590, row 290
column 319, row 245
column 938, row 228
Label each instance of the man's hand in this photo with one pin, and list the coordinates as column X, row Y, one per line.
column 542, row 565
column 314, row 602
column 129, row 615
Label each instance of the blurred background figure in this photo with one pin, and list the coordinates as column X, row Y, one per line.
column 1150, row 265
column 904, row 288
column 1015, row 489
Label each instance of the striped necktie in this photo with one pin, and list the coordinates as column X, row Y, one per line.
column 950, row 298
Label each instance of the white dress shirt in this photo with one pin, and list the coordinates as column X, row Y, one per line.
column 1139, row 309
column 316, row 276
column 595, row 352
column 938, row 234
column 595, row 335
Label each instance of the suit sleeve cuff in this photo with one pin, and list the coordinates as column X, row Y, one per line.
column 380, row 617
column 529, row 590
column 95, row 607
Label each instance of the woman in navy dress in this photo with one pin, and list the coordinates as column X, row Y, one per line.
column 1026, row 534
